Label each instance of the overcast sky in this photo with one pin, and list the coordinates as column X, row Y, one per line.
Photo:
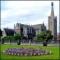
column 27, row 12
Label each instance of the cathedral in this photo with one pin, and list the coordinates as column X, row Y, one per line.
column 26, row 31
column 52, row 23
column 30, row 31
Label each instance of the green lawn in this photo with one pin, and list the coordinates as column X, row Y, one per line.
column 54, row 56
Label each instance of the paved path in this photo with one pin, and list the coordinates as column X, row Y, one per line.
column 34, row 44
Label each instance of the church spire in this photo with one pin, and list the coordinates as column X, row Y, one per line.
column 52, row 10
column 43, row 22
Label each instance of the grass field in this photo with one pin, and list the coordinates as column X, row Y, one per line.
column 54, row 56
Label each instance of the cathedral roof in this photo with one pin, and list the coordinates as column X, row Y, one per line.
column 37, row 26
column 9, row 32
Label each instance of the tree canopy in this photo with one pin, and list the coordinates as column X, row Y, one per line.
column 17, row 37
column 38, row 37
column 8, row 38
column 44, row 35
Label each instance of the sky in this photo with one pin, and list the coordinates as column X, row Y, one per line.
column 27, row 12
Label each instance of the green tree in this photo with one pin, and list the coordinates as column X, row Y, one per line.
column 10, row 38
column 45, row 35
column 4, row 39
column 18, row 38
column 7, row 38
column 38, row 37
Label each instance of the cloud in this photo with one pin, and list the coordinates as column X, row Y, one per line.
column 5, row 14
column 9, row 25
column 26, row 4
column 30, row 12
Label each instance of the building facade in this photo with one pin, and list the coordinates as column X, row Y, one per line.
column 29, row 31
column 26, row 31
column 58, row 36
column 52, row 23
column 7, row 32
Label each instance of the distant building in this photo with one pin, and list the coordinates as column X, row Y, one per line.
column 52, row 23
column 7, row 32
column 27, row 31
column 58, row 36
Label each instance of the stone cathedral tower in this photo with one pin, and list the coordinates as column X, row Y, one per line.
column 52, row 23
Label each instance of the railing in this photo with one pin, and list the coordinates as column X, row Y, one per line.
column 35, row 42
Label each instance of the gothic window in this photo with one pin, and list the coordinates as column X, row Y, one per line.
column 37, row 32
column 17, row 29
column 31, row 30
column 24, row 32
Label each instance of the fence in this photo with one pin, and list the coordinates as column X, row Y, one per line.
column 34, row 42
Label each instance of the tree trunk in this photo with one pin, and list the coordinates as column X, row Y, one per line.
column 29, row 42
column 2, row 41
column 10, row 41
column 18, row 42
column 44, row 43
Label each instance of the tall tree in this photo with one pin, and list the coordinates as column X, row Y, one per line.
column 45, row 36
column 38, row 37
column 4, row 39
column 18, row 38
column 9, row 38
